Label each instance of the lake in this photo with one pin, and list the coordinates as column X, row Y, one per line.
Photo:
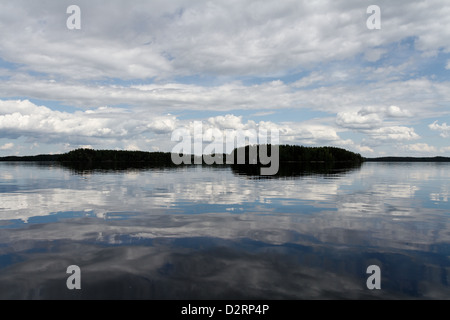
column 212, row 233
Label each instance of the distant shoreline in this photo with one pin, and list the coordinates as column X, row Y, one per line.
column 408, row 159
column 37, row 158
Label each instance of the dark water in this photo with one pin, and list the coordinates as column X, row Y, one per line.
column 214, row 233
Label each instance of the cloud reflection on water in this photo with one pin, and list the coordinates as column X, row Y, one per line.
column 161, row 231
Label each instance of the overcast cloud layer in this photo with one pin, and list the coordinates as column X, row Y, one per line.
column 136, row 71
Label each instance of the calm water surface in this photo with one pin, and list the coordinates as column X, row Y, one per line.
column 209, row 233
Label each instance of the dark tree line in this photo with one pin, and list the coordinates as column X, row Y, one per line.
column 297, row 160
column 409, row 159
column 41, row 157
column 92, row 157
column 294, row 153
column 323, row 154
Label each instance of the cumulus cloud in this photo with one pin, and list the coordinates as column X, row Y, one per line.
column 369, row 117
column 364, row 149
column 227, row 122
column 396, row 112
column 162, row 125
column 22, row 118
column 443, row 128
column 314, row 134
column 7, row 146
column 394, row 133
column 358, row 120
column 420, row 147
column 376, row 123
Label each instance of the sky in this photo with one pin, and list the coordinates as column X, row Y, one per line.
column 126, row 74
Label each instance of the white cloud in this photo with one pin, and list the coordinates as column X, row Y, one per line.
column 132, row 147
column 162, row 125
column 364, row 149
column 444, row 129
column 396, row 112
column 394, row 133
column 376, row 123
column 316, row 134
column 7, row 146
column 17, row 117
column 163, row 39
column 420, row 147
column 228, row 121
column 369, row 117
column 23, row 118
column 358, row 120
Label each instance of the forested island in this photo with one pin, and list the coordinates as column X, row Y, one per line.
column 295, row 153
column 297, row 160
column 93, row 157
column 287, row 153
